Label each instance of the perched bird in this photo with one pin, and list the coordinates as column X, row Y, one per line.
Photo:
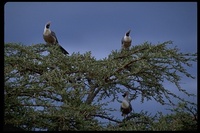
column 126, row 107
column 50, row 37
column 126, row 40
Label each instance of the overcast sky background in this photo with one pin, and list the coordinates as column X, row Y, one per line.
column 99, row 26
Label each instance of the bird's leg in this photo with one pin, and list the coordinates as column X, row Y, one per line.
column 124, row 117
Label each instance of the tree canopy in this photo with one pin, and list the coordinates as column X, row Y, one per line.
column 47, row 90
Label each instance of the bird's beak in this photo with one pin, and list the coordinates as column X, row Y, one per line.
column 129, row 31
column 48, row 23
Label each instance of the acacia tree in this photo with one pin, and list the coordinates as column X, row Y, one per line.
column 46, row 90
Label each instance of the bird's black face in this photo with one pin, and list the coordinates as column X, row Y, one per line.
column 124, row 95
column 47, row 26
column 128, row 33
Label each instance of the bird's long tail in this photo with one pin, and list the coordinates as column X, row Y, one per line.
column 63, row 50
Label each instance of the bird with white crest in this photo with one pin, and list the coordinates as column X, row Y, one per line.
column 50, row 37
column 126, row 107
column 126, row 40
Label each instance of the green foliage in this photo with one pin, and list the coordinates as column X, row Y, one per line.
column 182, row 119
column 47, row 90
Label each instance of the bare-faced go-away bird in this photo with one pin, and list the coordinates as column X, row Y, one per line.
column 126, row 40
column 50, row 37
column 126, row 107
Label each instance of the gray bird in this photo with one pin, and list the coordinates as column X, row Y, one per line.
column 126, row 107
column 126, row 40
column 50, row 37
